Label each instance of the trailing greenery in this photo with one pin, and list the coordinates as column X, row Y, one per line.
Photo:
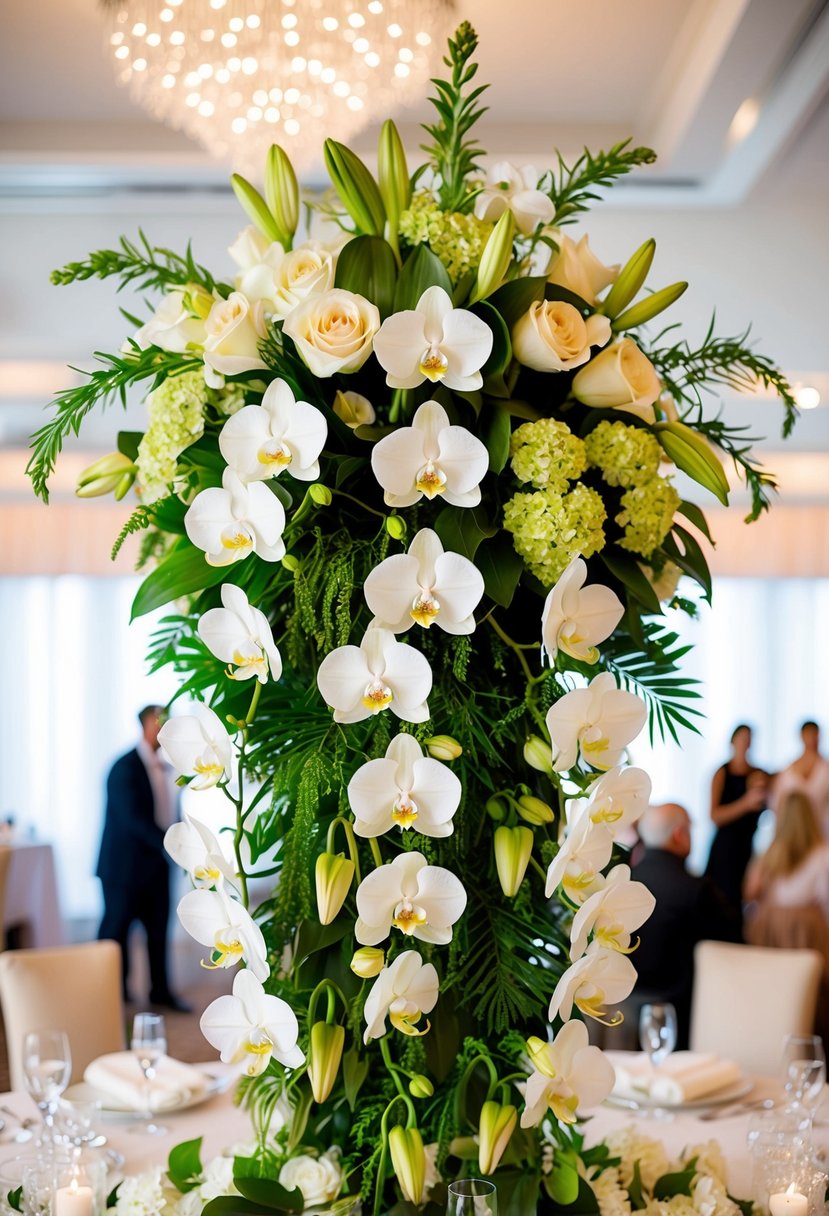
column 140, row 265
column 573, row 188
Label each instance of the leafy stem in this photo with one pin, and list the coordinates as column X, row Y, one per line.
column 572, row 188
column 141, row 265
column 453, row 156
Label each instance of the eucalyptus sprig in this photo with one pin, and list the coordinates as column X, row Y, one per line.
column 453, row 156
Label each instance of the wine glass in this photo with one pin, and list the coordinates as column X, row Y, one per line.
column 47, row 1067
column 148, row 1044
column 472, row 1197
column 804, row 1071
column 657, row 1038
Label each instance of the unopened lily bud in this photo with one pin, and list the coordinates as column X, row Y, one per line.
column 282, row 193
column 255, row 207
column 393, row 175
column 495, row 808
column 396, row 527
column 443, row 747
column 650, row 307
column 354, row 409
column 513, row 847
column 334, row 873
column 420, row 1086
column 533, row 810
column 630, row 280
column 367, row 962
column 497, row 1123
column 495, row 258
column 694, row 455
column 408, row 1162
column 320, row 494
column 356, row 187
column 324, row 1057
column 538, row 754
column 112, row 473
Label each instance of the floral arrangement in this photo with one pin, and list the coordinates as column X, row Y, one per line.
column 399, row 488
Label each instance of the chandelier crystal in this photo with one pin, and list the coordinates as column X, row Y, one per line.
column 239, row 75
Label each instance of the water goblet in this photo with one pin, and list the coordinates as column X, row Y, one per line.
column 472, row 1197
column 804, row 1073
column 148, row 1044
column 657, row 1038
column 47, row 1067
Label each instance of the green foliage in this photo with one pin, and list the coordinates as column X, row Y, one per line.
column 573, row 188
column 649, row 667
column 139, row 265
column 184, row 1166
column 140, row 519
column 453, row 155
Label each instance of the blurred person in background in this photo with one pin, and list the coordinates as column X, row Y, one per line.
column 809, row 775
column 739, row 793
column 689, row 909
column 141, row 803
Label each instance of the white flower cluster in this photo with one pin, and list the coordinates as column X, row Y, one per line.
column 708, row 1197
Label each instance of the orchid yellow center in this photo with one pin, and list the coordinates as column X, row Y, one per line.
column 615, row 936
column 433, row 363
column 227, row 951
column 248, row 664
column 594, row 747
column 206, row 873
column 607, row 814
column 208, row 768
column 405, row 1022
column 237, row 538
column 431, row 481
column 260, row 1047
column 408, row 918
column 564, row 1108
column 404, row 812
column 424, row 609
column 377, row 696
column 275, row 454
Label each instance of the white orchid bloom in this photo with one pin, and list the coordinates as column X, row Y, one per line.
column 425, row 586
column 611, row 915
column 408, row 894
column 577, row 866
column 576, row 618
column 260, row 441
column 436, row 342
column 569, row 1076
column 213, row 919
column 430, row 457
column 198, row 746
column 250, row 1027
column 236, row 520
column 172, row 326
column 402, row 992
column 406, row 789
column 618, row 797
column 193, row 846
column 601, row 977
column 240, row 634
column 516, row 190
column 381, row 673
column 594, row 724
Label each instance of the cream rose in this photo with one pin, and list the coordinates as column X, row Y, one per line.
column 319, row 1178
column 252, row 247
column 172, row 326
column 333, row 332
column 553, row 336
column 577, row 268
column 234, row 329
column 620, row 377
column 306, row 271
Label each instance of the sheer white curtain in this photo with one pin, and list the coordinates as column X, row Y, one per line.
column 74, row 677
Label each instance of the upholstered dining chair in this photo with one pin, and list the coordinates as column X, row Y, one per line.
column 748, row 998
column 71, row 988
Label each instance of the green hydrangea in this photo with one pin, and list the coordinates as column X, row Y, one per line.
column 647, row 514
column 550, row 529
column 457, row 239
column 626, row 455
column 175, row 420
column 547, row 454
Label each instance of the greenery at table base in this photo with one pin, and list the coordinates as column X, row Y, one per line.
column 435, row 426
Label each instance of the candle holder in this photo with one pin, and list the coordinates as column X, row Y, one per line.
column 75, row 1187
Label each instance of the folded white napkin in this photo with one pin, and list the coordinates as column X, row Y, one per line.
column 682, row 1077
column 118, row 1076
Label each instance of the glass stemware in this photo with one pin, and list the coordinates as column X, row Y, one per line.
column 148, row 1044
column 657, row 1038
column 804, row 1073
column 47, row 1067
column 472, row 1197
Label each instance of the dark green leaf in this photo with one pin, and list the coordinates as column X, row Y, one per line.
column 501, row 567
column 637, row 1197
column 347, row 468
column 564, row 1180
column 235, row 1205
column 15, row 1199
column 183, row 571
column 462, row 529
column 501, row 354
column 553, row 292
column 495, row 432
column 517, row 1192
column 355, row 1071
column 629, row 572
column 184, row 1166
column 312, row 936
column 692, row 512
column 678, row 1183
column 421, row 270
column 514, row 298
column 168, row 514
column 205, row 454
column 128, row 442
column 367, row 267
column 269, row 1193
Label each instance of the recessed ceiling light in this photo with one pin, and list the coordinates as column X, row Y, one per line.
column 744, row 121
column 806, row 396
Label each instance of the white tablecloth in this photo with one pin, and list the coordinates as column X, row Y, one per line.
column 32, row 895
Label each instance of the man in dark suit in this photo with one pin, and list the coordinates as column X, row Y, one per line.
column 132, row 865
column 688, row 910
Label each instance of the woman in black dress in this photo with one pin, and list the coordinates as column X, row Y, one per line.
column 738, row 798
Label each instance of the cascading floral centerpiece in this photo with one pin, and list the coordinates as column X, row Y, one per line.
column 413, row 489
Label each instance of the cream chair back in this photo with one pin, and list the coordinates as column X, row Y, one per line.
column 71, row 988
column 748, row 998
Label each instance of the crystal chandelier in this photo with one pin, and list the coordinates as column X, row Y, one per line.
column 239, row 75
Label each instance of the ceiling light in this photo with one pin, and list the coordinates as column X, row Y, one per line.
column 806, row 396
column 744, row 121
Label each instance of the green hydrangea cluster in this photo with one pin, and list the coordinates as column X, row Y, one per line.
column 550, row 529
column 175, row 420
column 647, row 515
column 626, row 455
column 457, row 239
column 547, row 454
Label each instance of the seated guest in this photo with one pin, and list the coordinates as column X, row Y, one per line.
column 738, row 798
column 688, row 910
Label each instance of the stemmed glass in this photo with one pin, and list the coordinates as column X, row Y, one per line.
column 148, row 1045
column 472, row 1197
column 47, row 1067
column 804, row 1072
column 657, row 1038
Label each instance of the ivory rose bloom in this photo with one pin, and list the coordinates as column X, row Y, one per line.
column 620, row 377
column 333, row 332
column 576, row 268
column 553, row 336
column 172, row 326
column 319, row 1178
column 234, row 328
column 306, row 271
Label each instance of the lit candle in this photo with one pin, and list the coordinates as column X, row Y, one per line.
column 785, row 1203
column 73, row 1200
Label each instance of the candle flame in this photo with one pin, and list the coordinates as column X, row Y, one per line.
column 790, row 1189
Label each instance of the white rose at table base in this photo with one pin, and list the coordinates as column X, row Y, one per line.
column 408, row 553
